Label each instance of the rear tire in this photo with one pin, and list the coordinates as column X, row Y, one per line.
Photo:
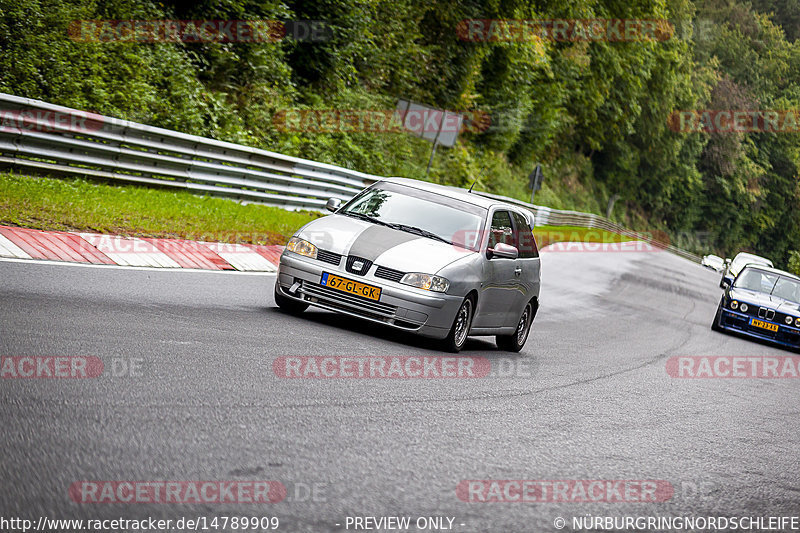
column 515, row 341
column 287, row 304
column 459, row 332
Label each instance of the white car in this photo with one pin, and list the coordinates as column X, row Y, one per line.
column 438, row 261
column 714, row 262
column 741, row 260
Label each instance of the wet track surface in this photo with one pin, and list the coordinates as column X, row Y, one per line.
column 588, row 398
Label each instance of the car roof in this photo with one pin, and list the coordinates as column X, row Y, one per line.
column 770, row 270
column 454, row 192
column 746, row 255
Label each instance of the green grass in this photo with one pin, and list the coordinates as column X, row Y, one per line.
column 80, row 205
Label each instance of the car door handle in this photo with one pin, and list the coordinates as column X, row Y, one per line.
column 518, row 271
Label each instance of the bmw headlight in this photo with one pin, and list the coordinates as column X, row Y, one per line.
column 302, row 247
column 743, row 307
column 734, row 305
column 797, row 322
column 426, row 281
column 788, row 321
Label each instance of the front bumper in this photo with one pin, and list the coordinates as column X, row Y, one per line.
column 400, row 306
column 740, row 323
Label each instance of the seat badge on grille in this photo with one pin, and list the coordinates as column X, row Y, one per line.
column 358, row 265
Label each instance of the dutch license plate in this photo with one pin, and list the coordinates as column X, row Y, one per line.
column 763, row 325
column 351, row 287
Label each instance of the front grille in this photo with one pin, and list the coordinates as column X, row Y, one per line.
column 329, row 257
column 389, row 273
column 358, row 265
column 763, row 312
column 349, row 302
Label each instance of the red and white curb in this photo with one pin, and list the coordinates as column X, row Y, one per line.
column 98, row 249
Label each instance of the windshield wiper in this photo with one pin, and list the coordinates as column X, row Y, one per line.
column 402, row 227
column 368, row 218
column 421, row 232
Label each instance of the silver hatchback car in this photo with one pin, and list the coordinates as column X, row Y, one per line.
column 438, row 261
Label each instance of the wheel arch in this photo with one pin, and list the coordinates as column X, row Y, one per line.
column 534, row 306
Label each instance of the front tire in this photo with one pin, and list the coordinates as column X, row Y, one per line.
column 515, row 341
column 457, row 337
column 287, row 304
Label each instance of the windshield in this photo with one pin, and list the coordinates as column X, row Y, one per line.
column 420, row 212
column 767, row 282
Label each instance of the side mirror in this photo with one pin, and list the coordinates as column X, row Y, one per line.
column 726, row 282
column 504, row 251
column 333, row 204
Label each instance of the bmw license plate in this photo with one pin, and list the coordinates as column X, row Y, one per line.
column 763, row 325
column 350, row 286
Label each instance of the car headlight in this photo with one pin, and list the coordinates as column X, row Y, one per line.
column 743, row 307
column 426, row 281
column 302, row 247
column 734, row 304
column 797, row 322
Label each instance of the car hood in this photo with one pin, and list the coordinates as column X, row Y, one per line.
column 382, row 245
column 765, row 300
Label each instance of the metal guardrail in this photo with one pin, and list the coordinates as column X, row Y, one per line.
column 40, row 137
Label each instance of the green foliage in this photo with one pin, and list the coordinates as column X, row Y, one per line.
column 794, row 262
column 595, row 114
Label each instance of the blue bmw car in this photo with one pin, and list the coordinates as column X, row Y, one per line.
column 762, row 302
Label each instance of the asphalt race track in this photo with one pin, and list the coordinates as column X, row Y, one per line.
column 189, row 393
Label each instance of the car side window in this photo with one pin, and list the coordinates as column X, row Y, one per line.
column 501, row 229
column 526, row 244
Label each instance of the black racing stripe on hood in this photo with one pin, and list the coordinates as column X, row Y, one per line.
column 375, row 240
